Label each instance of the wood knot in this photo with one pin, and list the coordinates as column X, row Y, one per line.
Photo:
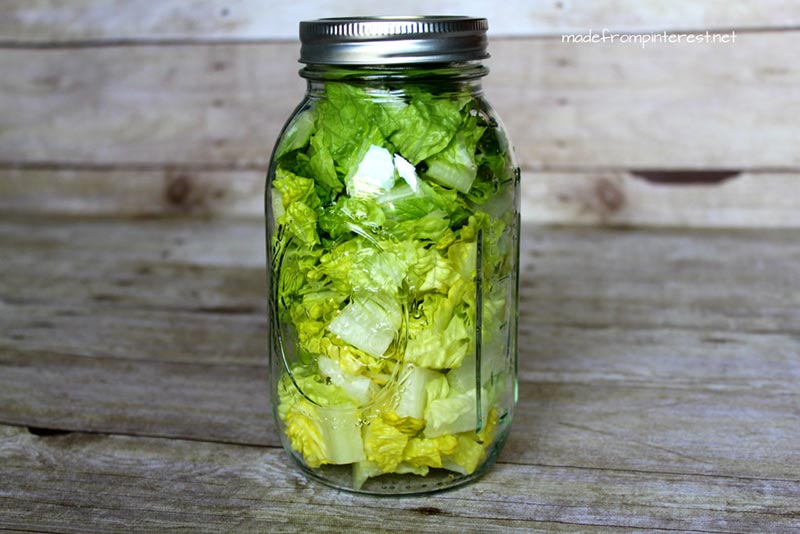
column 610, row 198
column 178, row 190
column 52, row 81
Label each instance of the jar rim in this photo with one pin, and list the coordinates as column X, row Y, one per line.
column 393, row 40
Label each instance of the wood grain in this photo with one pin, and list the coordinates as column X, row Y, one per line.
column 748, row 200
column 51, row 21
column 568, row 107
column 659, row 367
column 158, row 484
column 204, row 105
column 712, row 426
column 121, row 193
column 735, row 281
column 165, row 337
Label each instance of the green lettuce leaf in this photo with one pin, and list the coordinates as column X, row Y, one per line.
column 412, row 397
column 321, row 421
column 370, row 322
column 455, row 166
column 378, row 202
column 297, row 133
column 472, row 447
column 426, row 126
column 321, row 166
column 458, row 412
column 352, row 216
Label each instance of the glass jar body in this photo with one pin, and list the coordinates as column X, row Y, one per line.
column 392, row 205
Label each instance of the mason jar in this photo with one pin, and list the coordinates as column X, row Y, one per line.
column 392, row 222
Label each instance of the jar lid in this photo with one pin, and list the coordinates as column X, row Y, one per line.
column 392, row 40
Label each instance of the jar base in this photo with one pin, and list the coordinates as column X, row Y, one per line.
column 393, row 485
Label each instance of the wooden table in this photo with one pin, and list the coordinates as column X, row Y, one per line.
column 659, row 387
column 660, row 364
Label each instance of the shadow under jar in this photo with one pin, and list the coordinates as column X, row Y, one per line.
column 392, row 208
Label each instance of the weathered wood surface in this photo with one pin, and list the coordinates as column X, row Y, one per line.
column 659, row 387
column 659, row 369
column 747, row 200
column 116, row 110
column 132, row 193
column 568, row 107
column 85, row 483
column 53, row 21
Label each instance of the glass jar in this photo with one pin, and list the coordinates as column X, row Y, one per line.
column 393, row 256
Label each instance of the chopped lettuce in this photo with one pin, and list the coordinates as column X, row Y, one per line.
column 472, row 447
column 359, row 388
column 412, row 390
column 321, row 422
column 321, row 166
column 456, row 166
column 373, row 175
column 428, row 452
column 324, row 435
column 458, row 412
column 368, row 322
column 426, row 126
column 384, row 444
column 297, row 133
column 438, row 348
column 393, row 245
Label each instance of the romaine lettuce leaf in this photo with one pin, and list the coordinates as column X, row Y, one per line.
column 412, row 390
column 379, row 201
column 455, row 166
column 426, row 126
column 369, row 322
column 297, row 133
column 321, row 420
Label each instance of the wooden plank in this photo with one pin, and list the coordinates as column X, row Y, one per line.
column 725, row 281
column 572, row 106
column 132, row 193
column 672, row 358
column 613, row 324
column 568, row 107
column 161, row 243
column 50, row 21
column 760, row 200
column 183, row 267
column 663, row 357
column 676, row 281
column 118, row 328
column 707, row 423
column 226, row 403
column 148, row 105
column 86, row 483
column 749, row 200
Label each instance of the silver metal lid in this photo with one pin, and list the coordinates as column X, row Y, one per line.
column 392, row 40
